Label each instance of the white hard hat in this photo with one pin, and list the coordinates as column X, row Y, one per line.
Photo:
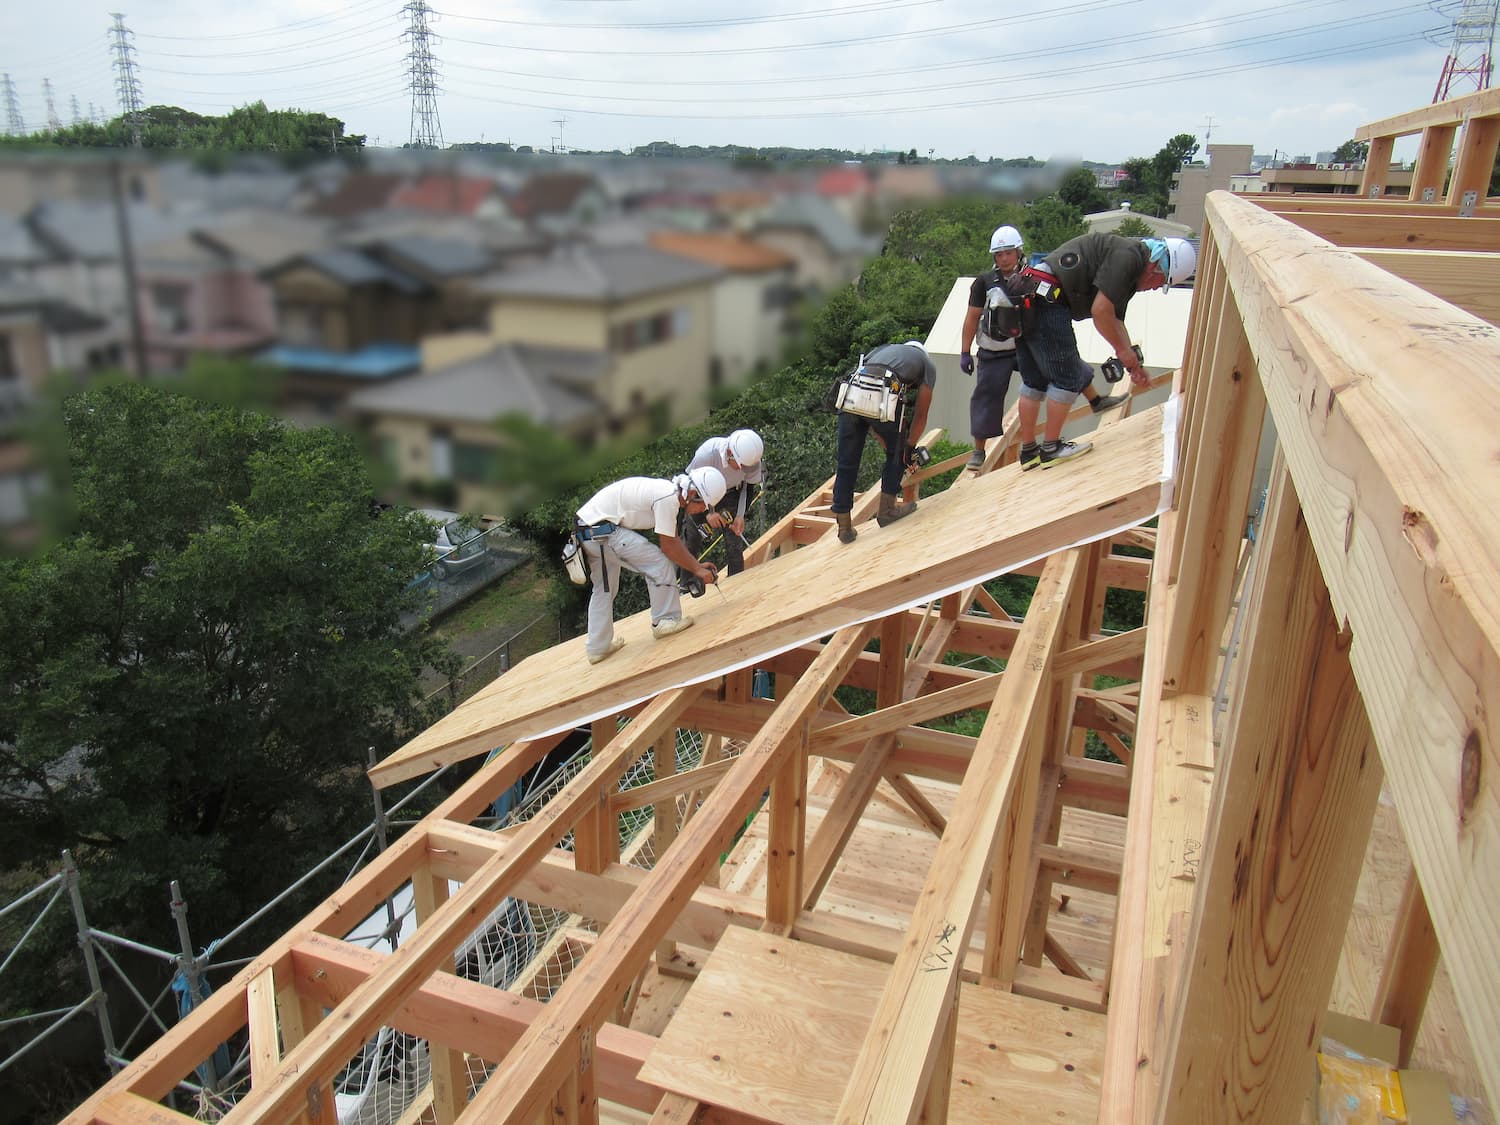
column 746, row 447
column 917, row 344
column 708, row 482
column 1182, row 260
column 1005, row 238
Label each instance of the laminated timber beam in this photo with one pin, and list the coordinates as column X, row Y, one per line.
column 1401, row 232
column 1468, row 279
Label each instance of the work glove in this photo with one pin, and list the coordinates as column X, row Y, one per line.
column 966, row 363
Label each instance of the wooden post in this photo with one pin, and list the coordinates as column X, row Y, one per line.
column 1377, row 167
column 787, row 838
column 1475, row 163
column 1411, row 961
column 1432, row 164
column 1294, row 797
column 450, row 1074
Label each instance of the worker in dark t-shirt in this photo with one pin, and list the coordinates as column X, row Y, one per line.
column 1092, row 277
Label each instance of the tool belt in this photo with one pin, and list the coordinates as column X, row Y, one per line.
column 871, row 392
column 586, row 532
column 1048, row 288
column 575, row 559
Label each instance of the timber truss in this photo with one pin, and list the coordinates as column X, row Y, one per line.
column 1367, row 653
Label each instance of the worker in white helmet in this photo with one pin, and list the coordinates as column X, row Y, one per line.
column 739, row 459
column 1093, row 276
column 607, row 527
column 993, row 322
column 915, row 375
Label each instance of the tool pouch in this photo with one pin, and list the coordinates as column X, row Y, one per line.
column 870, row 393
column 572, row 559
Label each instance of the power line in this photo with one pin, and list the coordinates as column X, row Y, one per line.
column 869, row 8
column 311, row 21
column 127, row 85
column 426, row 130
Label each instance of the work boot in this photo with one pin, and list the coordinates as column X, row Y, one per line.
column 669, row 625
column 976, row 459
column 1106, row 402
column 892, row 509
column 1054, row 452
column 614, row 646
column 846, row 527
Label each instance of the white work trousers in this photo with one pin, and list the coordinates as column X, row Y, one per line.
column 637, row 553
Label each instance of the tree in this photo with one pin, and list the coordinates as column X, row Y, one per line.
column 1352, row 152
column 1049, row 222
column 1081, row 190
column 1133, row 226
column 293, row 133
column 194, row 676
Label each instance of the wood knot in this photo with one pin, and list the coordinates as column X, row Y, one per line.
column 1469, row 777
column 1422, row 536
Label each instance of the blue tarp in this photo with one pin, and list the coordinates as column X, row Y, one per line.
column 375, row 361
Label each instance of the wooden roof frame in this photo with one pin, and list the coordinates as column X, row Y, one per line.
column 1369, row 654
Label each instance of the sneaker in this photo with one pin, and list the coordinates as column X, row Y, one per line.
column 1106, row 402
column 976, row 459
column 1031, row 456
column 1064, row 451
column 614, row 646
column 669, row 625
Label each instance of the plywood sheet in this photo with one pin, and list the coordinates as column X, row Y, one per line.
column 964, row 536
column 772, row 1028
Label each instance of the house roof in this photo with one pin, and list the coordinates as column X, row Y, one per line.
column 261, row 236
column 1109, row 220
column 358, row 192
column 436, row 259
column 601, row 273
column 544, row 384
column 72, row 228
column 843, row 181
column 56, row 315
column 17, row 244
column 461, row 195
column 352, row 268
column 550, row 193
column 809, row 212
column 733, row 252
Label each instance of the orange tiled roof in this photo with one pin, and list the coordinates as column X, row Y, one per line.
column 730, row 251
column 447, row 195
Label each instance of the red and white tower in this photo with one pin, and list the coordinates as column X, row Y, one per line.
column 1471, row 58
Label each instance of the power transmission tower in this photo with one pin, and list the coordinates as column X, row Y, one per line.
column 54, row 123
column 426, row 131
column 93, row 114
column 127, row 85
column 1472, row 55
column 73, row 103
column 14, row 125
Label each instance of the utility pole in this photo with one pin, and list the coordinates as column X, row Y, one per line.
column 426, row 130
column 127, row 268
column 54, row 123
column 127, row 84
column 14, row 125
column 1208, row 131
column 558, row 145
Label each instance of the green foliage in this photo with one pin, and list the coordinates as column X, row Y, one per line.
column 1351, row 152
column 1081, row 190
column 1049, row 222
column 196, row 674
column 1148, row 180
column 1133, row 226
column 249, row 128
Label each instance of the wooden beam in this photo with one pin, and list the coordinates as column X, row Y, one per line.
column 1411, row 962
column 468, row 1016
column 523, row 1082
column 895, row 1063
column 1401, row 232
column 265, row 1044
column 1294, row 798
column 1467, row 279
column 1475, row 163
column 1120, row 652
column 1400, row 505
column 1451, row 112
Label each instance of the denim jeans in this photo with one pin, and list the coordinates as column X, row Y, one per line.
column 852, row 431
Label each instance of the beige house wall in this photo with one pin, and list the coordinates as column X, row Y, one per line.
column 27, row 343
column 746, row 332
column 1191, row 184
column 815, row 266
column 443, row 351
column 675, row 369
column 558, row 324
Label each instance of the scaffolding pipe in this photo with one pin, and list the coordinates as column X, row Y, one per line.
column 188, row 963
column 90, row 963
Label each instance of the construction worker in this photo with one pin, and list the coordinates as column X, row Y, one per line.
column 738, row 459
column 994, row 321
column 1093, row 277
column 915, row 375
column 607, row 527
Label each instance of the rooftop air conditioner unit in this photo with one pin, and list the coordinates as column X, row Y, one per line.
column 1339, row 167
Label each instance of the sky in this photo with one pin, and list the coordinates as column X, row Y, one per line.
column 1100, row 80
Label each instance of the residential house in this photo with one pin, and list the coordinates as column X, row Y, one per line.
column 899, row 184
column 438, row 428
column 558, row 202
column 203, row 290
column 357, row 193
column 846, row 187
column 30, row 179
column 506, row 242
column 345, row 320
column 1109, row 221
column 1192, row 182
column 1331, row 178
column 751, row 302
column 827, row 248
column 449, row 267
column 452, row 193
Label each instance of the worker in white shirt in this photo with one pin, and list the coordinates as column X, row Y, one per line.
column 738, row 459
column 607, row 527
